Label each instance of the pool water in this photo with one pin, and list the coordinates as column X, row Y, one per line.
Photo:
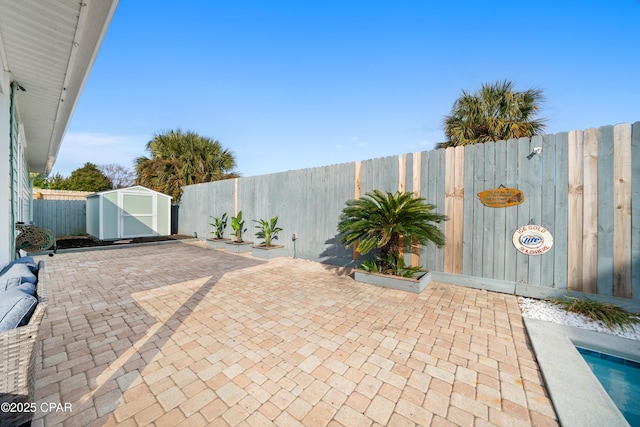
column 620, row 378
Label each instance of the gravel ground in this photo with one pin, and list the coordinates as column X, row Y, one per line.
column 544, row 310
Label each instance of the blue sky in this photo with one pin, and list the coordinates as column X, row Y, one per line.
column 293, row 84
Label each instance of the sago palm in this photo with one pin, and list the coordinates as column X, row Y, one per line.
column 379, row 220
column 495, row 112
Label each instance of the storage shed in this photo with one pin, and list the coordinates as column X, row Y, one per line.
column 127, row 213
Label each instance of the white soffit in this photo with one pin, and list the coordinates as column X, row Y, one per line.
column 48, row 48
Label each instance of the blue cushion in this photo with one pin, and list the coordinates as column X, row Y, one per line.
column 21, row 271
column 11, row 283
column 26, row 260
column 28, row 287
column 16, row 308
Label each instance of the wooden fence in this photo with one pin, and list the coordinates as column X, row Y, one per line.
column 583, row 187
column 63, row 217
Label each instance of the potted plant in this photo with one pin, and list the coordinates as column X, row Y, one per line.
column 238, row 245
column 267, row 231
column 380, row 221
column 218, row 224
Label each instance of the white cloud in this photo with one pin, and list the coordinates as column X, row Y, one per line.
column 82, row 147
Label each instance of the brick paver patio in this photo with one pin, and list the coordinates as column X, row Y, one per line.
column 177, row 334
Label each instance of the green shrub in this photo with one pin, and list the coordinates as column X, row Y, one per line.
column 380, row 221
column 268, row 230
column 609, row 314
column 219, row 224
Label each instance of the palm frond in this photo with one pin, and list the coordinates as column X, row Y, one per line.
column 378, row 220
column 495, row 112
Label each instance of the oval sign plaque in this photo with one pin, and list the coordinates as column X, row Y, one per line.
column 501, row 197
column 532, row 240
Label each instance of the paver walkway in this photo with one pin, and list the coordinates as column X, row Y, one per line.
column 177, row 334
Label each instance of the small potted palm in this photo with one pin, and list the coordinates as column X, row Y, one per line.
column 219, row 224
column 238, row 245
column 380, row 222
column 268, row 232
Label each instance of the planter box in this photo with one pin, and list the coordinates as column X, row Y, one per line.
column 394, row 282
column 217, row 243
column 272, row 251
column 237, row 248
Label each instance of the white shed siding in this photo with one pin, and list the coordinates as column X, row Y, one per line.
column 127, row 213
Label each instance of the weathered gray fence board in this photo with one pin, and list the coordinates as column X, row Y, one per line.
column 488, row 214
column 477, row 233
column 478, row 230
column 548, row 196
column 524, row 217
column 560, row 239
column 511, row 213
column 500, row 241
column 635, row 209
column 440, row 197
column 427, row 253
column 408, row 175
column 430, row 173
column 433, row 170
column 62, row 217
column 204, row 207
column 380, row 174
column 469, row 201
column 535, row 209
column 605, row 210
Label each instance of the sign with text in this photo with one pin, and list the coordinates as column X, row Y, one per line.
column 501, row 197
column 532, row 240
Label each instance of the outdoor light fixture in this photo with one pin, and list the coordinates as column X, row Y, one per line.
column 536, row 150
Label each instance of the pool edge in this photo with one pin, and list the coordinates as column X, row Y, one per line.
column 578, row 397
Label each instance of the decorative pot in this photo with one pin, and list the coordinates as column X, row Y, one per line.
column 394, row 282
column 267, row 252
column 238, row 247
column 217, row 243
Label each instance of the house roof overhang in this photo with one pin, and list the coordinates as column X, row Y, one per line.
column 48, row 49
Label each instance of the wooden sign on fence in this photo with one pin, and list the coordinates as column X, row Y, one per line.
column 501, row 197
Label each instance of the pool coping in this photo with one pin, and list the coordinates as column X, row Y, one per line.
column 578, row 397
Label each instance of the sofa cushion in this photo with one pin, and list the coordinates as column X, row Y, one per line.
column 15, row 282
column 26, row 260
column 16, row 307
column 11, row 283
column 20, row 271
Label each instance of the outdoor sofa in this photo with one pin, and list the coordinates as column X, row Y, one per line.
column 22, row 309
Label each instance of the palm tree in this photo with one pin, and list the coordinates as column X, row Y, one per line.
column 495, row 112
column 179, row 159
column 379, row 220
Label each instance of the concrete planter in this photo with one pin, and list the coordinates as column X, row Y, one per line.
column 272, row 251
column 217, row 243
column 394, row 282
column 238, row 247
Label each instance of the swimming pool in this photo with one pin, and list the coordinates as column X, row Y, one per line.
column 578, row 397
column 620, row 378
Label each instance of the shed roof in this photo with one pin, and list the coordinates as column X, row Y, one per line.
column 134, row 189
